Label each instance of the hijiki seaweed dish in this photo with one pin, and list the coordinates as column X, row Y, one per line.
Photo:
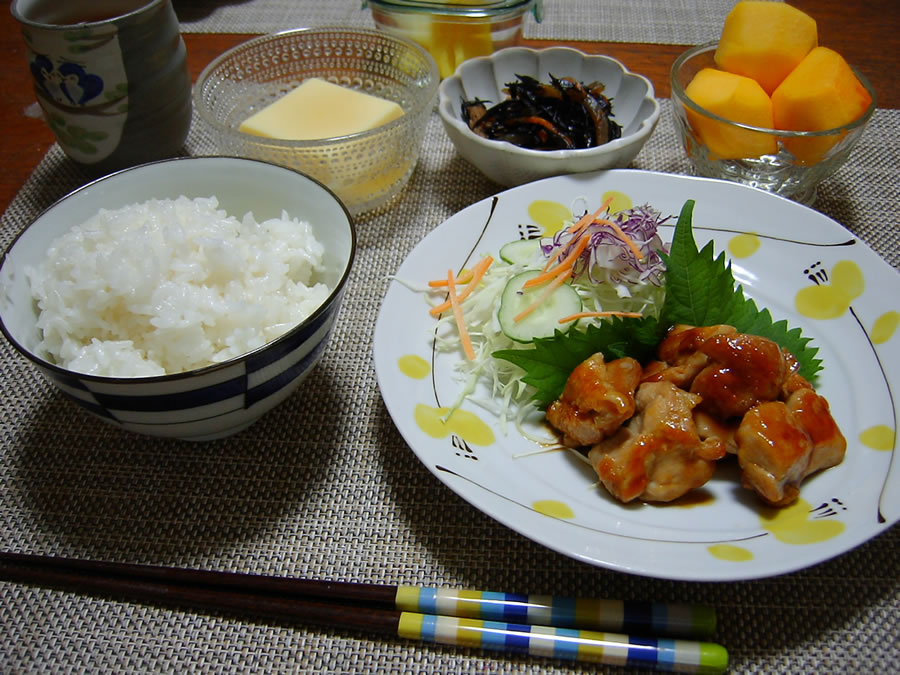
column 564, row 114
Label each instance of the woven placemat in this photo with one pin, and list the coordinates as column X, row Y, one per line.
column 324, row 486
column 671, row 22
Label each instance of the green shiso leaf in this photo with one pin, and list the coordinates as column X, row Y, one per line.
column 700, row 291
column 548, row 364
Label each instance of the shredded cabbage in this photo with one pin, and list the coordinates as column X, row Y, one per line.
column 608, row 276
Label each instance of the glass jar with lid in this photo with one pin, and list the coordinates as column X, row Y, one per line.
column 457, row 30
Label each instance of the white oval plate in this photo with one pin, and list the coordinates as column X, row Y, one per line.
column 726, row 534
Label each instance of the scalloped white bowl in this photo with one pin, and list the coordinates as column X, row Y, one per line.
column 633, row 103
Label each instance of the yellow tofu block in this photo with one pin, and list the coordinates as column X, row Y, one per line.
column 318, row 109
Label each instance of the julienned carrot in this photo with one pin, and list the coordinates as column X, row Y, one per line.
column 477, row 273
column 556, row 275
column 586, row 220
column 582, row 223
column 588, row 315
column 464, row 277
column 626, row 239
column 541, row 122
column 562, row 275
column 549, row 273
column 567, row 262
column 458, row 315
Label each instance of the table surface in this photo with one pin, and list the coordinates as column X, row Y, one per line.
column 865, row 624
column 866, row 33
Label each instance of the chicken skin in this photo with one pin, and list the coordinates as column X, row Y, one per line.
column 658, row 456
column 680, row 357
column 813, row 414
column 773, row 452
column 731, row 371
column 781, row 443
column 745, row 370
column 597, row 399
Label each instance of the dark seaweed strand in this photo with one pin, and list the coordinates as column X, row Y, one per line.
column 562, row 114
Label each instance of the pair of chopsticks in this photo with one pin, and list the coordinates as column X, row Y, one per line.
column 645, row 635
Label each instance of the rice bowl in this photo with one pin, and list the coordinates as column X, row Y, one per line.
column 210, row 401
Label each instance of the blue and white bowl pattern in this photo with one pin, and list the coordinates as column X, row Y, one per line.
column 212, row 403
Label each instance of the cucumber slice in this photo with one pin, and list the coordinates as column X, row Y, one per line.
column 543, row 321
column 522, row 251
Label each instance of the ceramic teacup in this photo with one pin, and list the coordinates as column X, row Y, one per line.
column 110, row 76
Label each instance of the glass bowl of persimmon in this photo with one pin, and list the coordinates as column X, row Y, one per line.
column 767, row 105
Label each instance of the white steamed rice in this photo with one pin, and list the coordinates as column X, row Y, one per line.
column 171, row 285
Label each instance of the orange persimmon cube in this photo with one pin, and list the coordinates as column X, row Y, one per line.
column 765, row 41
column 821, row 93
column 736, row 98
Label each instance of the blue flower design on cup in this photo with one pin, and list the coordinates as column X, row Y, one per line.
column 68, row 84
column 116, row 92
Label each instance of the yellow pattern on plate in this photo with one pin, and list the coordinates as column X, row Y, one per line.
column 885, row 327
column 553, row 508
column 791, row 524
column 413, row 366
column 831, row 300
column 743, row 245
column 730, row 552
column 620, row 201
column 549, row 215
column 463, row 423
column 879, row 437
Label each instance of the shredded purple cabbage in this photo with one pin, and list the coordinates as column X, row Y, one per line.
column 608, row 258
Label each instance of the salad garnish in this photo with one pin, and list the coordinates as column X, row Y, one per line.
column 604, row 284
column 700, row 290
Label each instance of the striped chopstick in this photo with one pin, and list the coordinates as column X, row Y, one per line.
column 683, row 656
column 653, row 618
column 487, row 620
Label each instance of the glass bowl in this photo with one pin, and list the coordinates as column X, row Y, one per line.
column 455, row 31
column 365, row 169
column 784, row 173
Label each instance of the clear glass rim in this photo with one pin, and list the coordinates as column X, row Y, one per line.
column 679, row 93
column 206, row 76
column 487, row 8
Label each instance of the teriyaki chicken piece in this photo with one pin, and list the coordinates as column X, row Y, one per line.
column 654, row 433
